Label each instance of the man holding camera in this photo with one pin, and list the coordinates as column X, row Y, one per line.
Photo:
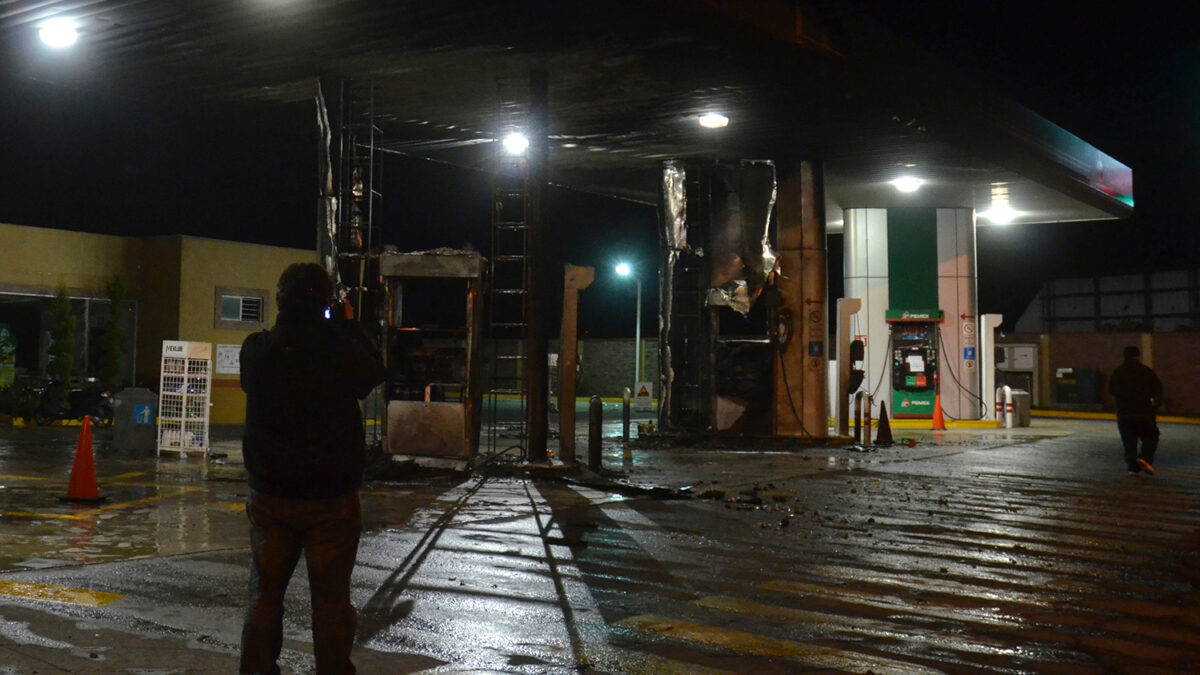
column 304, row 450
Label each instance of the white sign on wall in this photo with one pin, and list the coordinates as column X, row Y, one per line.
column 181, row 349
column 228, row 360
column 642, row 398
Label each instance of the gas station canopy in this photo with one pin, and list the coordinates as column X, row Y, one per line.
column 628, row 82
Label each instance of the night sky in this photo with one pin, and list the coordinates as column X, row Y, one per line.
column 1125, row 78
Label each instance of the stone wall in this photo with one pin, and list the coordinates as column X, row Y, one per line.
column 606, row 365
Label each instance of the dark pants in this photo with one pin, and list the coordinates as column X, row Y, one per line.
column 1133, row 429
column 326, row 530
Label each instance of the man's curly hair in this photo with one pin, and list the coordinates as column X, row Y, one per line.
column 303, row 288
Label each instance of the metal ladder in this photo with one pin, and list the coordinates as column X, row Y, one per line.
column 359, row 193
column 508, row 294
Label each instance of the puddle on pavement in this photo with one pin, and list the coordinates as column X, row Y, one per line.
column 152, row 506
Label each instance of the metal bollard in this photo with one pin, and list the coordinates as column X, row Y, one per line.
column 858, row 417
column 595, row 420
column 626, row 398
column 867, row 403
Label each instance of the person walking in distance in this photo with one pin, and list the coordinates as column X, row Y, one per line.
column 304, row 449
column 1136, row 390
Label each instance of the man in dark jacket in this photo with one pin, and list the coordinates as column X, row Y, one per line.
column 1136, row 390
column 304, row 450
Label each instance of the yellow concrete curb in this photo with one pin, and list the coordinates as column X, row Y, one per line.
column 578, row 400
column 950, row 424
column 1086, row 415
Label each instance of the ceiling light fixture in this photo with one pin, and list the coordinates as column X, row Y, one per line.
column 59, row 32
column 515, row 143
column 1000, row 212
column 713, row 120
column 907, row 183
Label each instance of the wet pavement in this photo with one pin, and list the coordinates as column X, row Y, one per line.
column 1027, row 550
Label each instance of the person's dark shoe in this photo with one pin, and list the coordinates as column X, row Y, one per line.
column 1146, row 465
column 1132, row 472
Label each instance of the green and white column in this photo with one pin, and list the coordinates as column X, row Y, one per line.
column 916, row 259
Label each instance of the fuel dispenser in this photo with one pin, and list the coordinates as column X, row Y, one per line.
column 914, row 339
column 433, row 388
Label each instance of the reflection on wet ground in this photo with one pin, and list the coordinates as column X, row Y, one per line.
column 151, row 507
column 1026, row 551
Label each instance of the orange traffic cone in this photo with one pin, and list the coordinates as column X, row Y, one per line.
column 83, row 486
column 884, row 439
column 939, row 422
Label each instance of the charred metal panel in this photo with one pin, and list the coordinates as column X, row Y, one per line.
column 428, row 429
column 450, row 263
column 743, row 380
column 327, row 231
column 715, row 237
column 685, row 351
column 742, row 196
column 674, row 201
column 672, row 237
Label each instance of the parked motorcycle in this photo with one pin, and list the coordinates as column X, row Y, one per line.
column 88, row 397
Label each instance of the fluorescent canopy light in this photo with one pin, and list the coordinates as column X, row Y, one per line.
column 515, row 143
column 59, row 32
column 713, row 120
column 907, row 183
column 1001, row 213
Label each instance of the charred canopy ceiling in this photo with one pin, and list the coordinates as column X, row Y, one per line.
column 627, row 82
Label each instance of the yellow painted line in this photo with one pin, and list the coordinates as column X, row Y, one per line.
column 772, row 612
column 642, row 663
column 121, row 477
column 70, row 596
column 815, row 656
column 81, row 515
column 140, row 502
column 31, row 514
column 1017, row 596
column 979, row 616
column 236, row 507
column 858, row 626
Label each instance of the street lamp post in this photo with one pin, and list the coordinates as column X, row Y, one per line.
column 625, row 270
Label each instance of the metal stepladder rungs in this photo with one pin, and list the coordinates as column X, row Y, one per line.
column 508, row 293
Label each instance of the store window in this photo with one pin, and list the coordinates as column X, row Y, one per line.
column 240, row 309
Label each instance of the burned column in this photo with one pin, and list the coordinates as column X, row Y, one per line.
column 801, row 396
column 679, row 307
column 537, row 416
column 716, row 257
